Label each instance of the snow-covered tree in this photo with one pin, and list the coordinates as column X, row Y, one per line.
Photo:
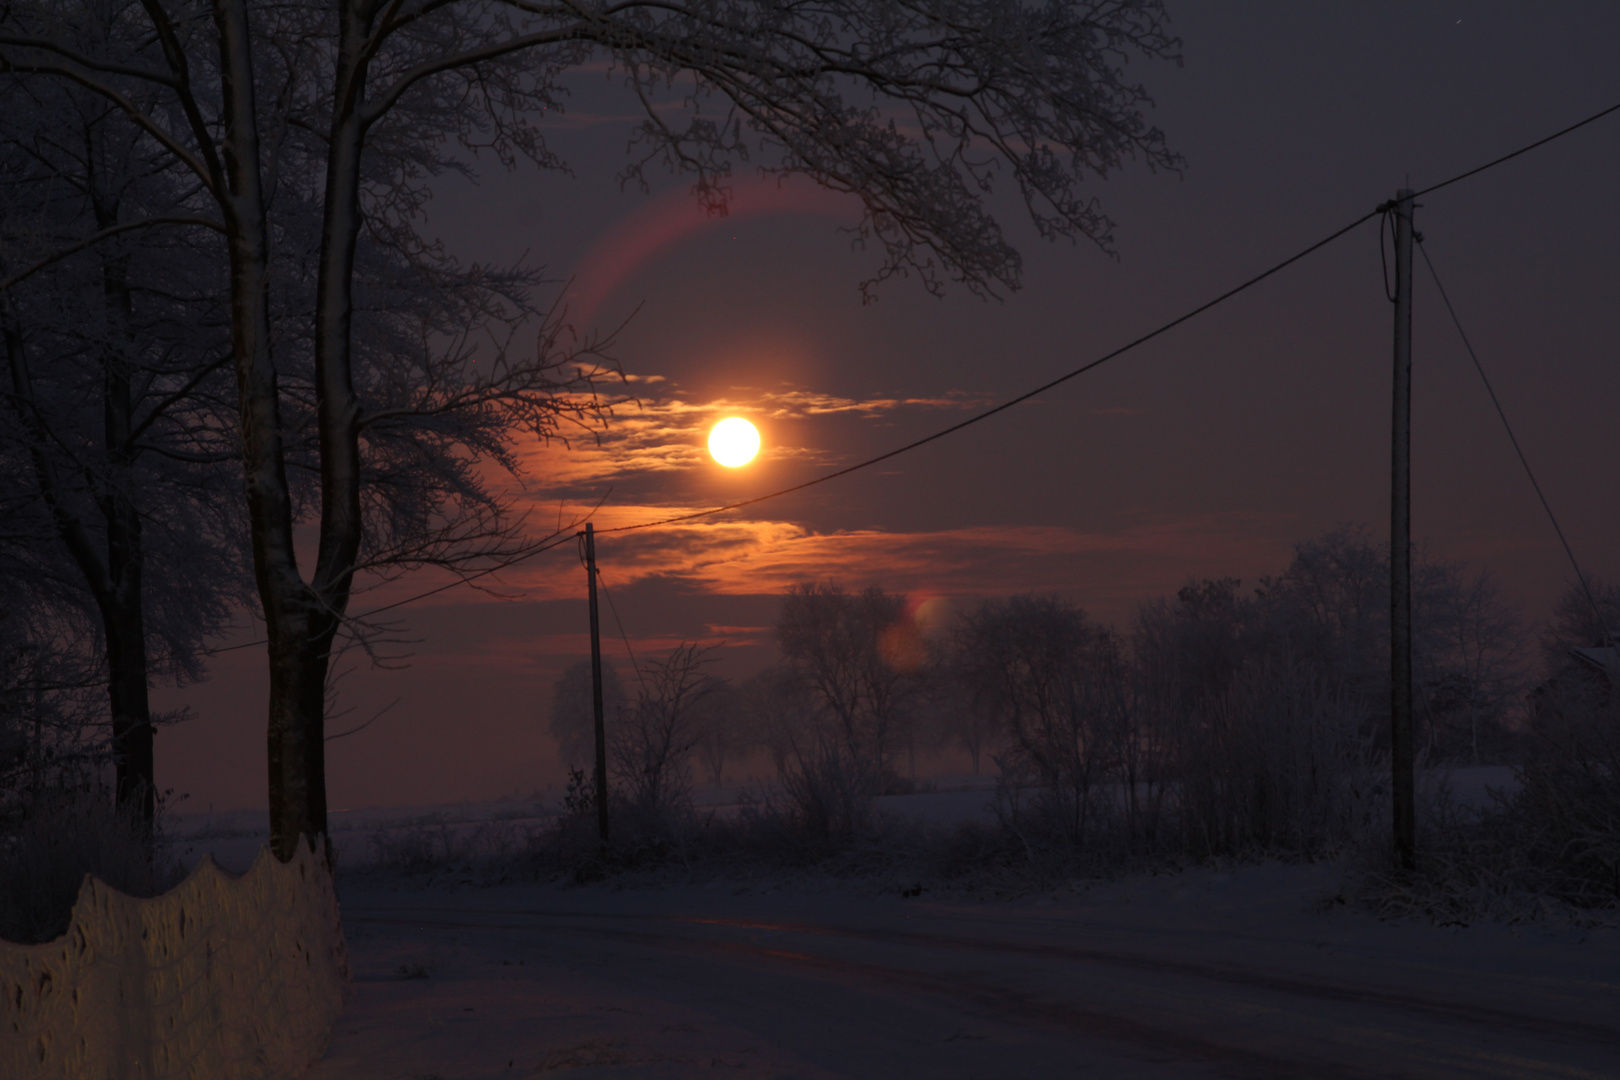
column 118, row 401
column 920, row 109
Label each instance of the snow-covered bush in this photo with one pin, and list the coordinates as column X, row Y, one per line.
column 425, row 849
column 826, row 793
column 1568, row 803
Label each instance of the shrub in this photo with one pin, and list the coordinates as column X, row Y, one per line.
column 487, row 852
column 1567, row 809
column 68, row 833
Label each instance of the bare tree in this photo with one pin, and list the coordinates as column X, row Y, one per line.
column 1329, row 609
column 49, row 738
column 842, row 646
column 1266, row 713
column 780, row 710
column 117, row 396
column 968, row 727
column 572, row 723
column 961, row 717
column 827, row 791
column 1055, row 683
column 918, row 109
column 655, row 737
column 727, row 736
column 1586, row 614
column 1470, row 661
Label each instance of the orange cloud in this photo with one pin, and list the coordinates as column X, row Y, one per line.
column 664, row 432
column 1107, row 571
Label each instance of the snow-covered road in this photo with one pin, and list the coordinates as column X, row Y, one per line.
column 1198, row 974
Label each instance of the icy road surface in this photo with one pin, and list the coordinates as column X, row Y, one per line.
column 1200, row 974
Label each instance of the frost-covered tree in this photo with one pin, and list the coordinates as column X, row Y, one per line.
column 1269, row 707
column 728, row 736
column 117, row 402
column 1054, row 684
column 1586, row 614
column 850, row 650
column 920, row 109
column 654, row 738
column 572, row 723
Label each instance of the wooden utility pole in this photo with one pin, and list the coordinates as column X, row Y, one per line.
column 596, row 690
column 1400, row 549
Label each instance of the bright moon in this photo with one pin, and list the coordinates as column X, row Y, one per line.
column 734, row 442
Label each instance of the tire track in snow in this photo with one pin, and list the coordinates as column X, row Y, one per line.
column 1021, row 1007
column 1479, row 1015
column 1457, row 1012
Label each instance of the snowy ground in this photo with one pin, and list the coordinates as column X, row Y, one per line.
column 1245, row 973
column 1250, row 972
column 233, row 837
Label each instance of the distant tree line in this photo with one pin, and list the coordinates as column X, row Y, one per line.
column 1221, row 721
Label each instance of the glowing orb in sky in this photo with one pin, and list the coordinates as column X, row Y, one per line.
column 734, row 442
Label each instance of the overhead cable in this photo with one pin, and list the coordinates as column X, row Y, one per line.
column 1145, row 338
column 602, row 581
column 1005, row 405
column 1521, row 150
column 1512, row 438
column 550, row 543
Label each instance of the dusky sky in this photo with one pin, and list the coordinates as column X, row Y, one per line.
column 1207, row 452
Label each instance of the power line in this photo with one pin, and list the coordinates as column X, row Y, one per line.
column 527, row 552
column 1512, row 438
column 540, row 547
column 952, row 429
column 602, row 581
column 1021, row 398
column 1521, row 150
column 550, row 543
column 1149, row 336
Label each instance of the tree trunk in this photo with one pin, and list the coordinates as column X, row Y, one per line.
column 133, row 758
column 294, row 733
column 123, row 617
column 301, row 653
column 114, row 583
column 118, row 587
column 338, row 408
column 302, row 620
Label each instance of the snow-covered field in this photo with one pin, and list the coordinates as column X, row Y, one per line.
column 1248, row 972
column 233, row 837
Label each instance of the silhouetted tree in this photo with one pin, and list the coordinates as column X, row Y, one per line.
column 728, row 735
column 572, row 723
column 853, row 652
column 1056, row 685
column 656, row 735
column 917, row 109
column 1584, row 616
column 118, row 400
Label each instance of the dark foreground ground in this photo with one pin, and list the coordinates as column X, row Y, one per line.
column 1247, row 973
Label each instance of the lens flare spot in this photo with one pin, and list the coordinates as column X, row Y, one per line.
column 733, row 442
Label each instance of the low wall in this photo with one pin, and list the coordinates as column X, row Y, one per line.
column 221, row 977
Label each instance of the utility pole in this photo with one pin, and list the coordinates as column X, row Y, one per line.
column 596, row 690
column 1400, row 548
